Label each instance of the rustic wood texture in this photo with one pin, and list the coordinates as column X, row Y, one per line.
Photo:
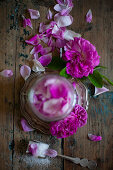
column 14, row 52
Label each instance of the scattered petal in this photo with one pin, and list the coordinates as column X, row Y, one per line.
column 45, row 50
column 89, row 16
column 37, row 66
column 69, row 35
column 51, row 153
column 27, row 22
column 25, row 71
column 6, row 73
column 34, row 13
column 49, row 14
column 94, row 137
column 25, row 126
column 38, row 48
column 60, row 43
column 63, row 21
column 100, row 90
column 45, row 59
column 33, row 41
column 37, row 149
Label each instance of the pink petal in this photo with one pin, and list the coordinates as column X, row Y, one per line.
column 25, row 126
column 89, row 16
column 38, row 48
column 6, row 73
column 25, row 71
column 33, row 41
column 45, row 59
column 37, row 66
column 49, row 14
column 45, row 50
column 100, row 90
column 94, row 137
column 60, row 43
column 51, row 153
column 69, row 35
column 34, row 13
column 63, row 21
column 27, row 22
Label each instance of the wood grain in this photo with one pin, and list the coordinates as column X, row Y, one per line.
column 14, row 53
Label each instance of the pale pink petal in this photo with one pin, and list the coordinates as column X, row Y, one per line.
column 49, row 14
column 89, row 16
column 33, row 41
column 27, row 22
column 66, row 11
column 37, row 66
column 25, row 126
column 45, row 50
column 51, row 153
column 100, row 90
column 51, row 43
column 37, row 149
column 25, row 71
column 63, row 21
column 38, row 48
column 58, row 7
column 35, row 56
column 45, row 59
column 60, row 1
column 94, row 137
column 69, row 35
column 43, row 38
column 6, row 73
column 60, row 43
column 34, row 13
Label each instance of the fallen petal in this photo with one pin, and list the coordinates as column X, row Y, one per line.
column 69, row 35
column 94, row 137
column 63, row 21
column 51, row 153
column 33, row 41
column 38, row 48
column 6, row 73
column 100, row 90
column 37, row 149
column 25, row 71
column 49, row 14
column 25, row 126
column 45, row 59
column 37, row 66
column 60, row 43
column 34, row 13
column 27, row 22
column 89, row 16
column 45, row 50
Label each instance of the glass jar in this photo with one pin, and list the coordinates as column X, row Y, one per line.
column 48, row 97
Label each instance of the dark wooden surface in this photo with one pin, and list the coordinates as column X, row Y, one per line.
column 14, row 52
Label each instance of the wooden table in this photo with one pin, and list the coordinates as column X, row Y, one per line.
column 14, row 53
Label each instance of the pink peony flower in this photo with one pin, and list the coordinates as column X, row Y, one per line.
column 69, row 125
column 81, row 57
column 65, row 127
column 81, row 115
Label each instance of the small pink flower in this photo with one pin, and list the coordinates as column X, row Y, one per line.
column 27, row 22
column 94, row 137
column 25, row 126
column 89, row 16
column 6, row 73
column 34, row 13
column 81, row 57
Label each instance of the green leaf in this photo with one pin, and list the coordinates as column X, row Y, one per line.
column 57, row 63
column 99, row 67
column 63, row 73
column 109, row 81
column 96, row 79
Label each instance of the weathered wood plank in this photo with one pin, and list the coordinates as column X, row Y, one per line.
column 100, row 111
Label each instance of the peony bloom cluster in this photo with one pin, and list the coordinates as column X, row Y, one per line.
column 81, row 57
column 69, row 125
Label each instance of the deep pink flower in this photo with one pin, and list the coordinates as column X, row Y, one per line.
column 68, row 126
column 81, row 115
column 81, row 57
column 65, row 127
